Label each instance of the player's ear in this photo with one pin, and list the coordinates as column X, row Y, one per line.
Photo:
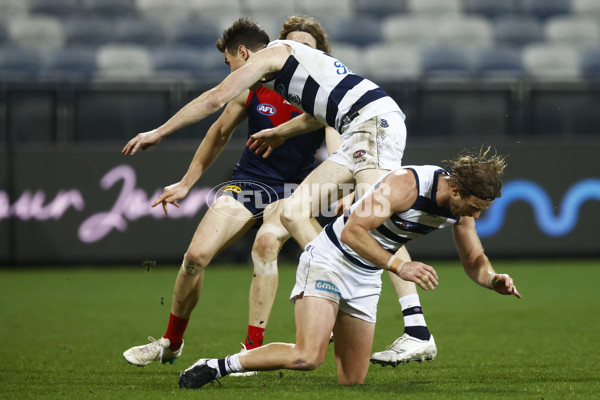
column 243, row 51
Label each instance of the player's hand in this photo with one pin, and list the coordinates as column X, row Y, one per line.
column 503, row 284
column 266, row 140
column 143, row 140
column 422, row 274
column 170, row 195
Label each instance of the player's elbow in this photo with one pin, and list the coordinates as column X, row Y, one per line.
column 348, row 235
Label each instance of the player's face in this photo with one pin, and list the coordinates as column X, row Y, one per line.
column 469, row 206
column 234, row 62
column 302, row 37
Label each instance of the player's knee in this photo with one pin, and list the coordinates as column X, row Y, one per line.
column 266, row 247
column 194, row 261
column 309, row 359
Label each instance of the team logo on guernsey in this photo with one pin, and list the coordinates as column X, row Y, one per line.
column 359, row 153
column 384, row 123
column 266, row 109
column 405, row 225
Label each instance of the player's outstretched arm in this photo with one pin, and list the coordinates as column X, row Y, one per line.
column 268, row 140
column 209, row 150
column 475, row 262
column 261, row 64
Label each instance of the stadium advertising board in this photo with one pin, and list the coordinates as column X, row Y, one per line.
column 83, row 205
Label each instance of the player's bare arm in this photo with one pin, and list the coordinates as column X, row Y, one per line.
column 268, row 140
column 475, row 262
column 209, row 150
column 260, row 65
column 396, row 193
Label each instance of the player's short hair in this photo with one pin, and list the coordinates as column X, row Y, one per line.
column 479, row 174
column 310, row 25
column 244, row 32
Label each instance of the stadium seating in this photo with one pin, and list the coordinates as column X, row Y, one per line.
column 320, row 9
column 19, row 63
column 573, row 31
column 71, row 63
column 3, row 33
column 275, row 9
column 162, row 10
column 109, row 8
column 434, row 7
column 10, row 9
column 140, row 32
column 498, row 63
column 178, row 62
column 392, row 61
column 590, row 63
column 544, row 61
column 490, row 8
column 195, row 33
column 55, row 8
column 359, row 31
column 472, row 31
column 590, row 8
column 379, row 8
column 89, row 32
column 36, row 32
column 518, row 30
column 544, row 9
column 410, row 30
column 123, row 61
column 445, row 62
column 229, row 10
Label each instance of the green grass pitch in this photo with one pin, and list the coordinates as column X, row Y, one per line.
column 63, row 330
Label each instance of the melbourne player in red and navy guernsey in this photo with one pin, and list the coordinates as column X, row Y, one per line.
column 290, row 163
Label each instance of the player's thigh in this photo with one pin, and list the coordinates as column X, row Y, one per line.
column 315, row 317
column 366, row 178
column 224, row 222
column 322, row 186
column 353, row 341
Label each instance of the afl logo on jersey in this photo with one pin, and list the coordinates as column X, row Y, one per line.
column 359, row 153
column 266, row 109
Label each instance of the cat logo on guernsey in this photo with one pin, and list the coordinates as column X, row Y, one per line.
column 359, row 153
column 266, row 109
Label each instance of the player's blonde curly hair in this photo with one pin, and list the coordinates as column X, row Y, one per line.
column 304, row 23
column 479, row 174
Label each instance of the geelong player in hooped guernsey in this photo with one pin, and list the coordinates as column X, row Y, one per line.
column 334, row 99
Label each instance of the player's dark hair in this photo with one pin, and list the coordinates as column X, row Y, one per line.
column 479, row 175
column 243, row 32
column 310, row 25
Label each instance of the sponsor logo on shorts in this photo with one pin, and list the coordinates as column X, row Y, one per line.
column 232, row 188
column 384, row 123
column 327, row 287
column 266, row 109
column 359, row 153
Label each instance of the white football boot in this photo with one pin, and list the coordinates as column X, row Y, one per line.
column 405, row 349
column 247, row 373
column 156, row 350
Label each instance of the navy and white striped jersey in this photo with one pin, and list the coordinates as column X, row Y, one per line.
column 423, row 217
column 325, row 88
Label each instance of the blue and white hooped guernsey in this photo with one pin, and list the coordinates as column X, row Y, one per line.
column 325, row 88
column 423, row 217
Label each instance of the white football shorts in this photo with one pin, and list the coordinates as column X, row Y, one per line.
column 324, row 272
column 375, row 143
